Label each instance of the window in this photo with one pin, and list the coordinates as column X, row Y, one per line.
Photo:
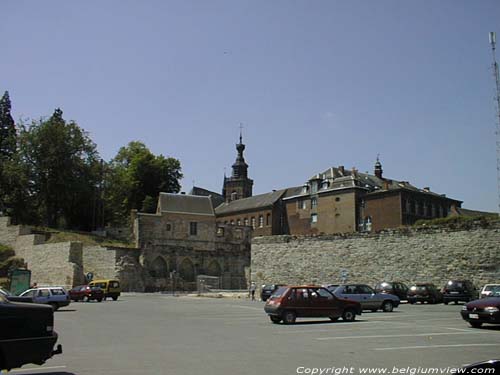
column 246, row 221
column 238, row 234
column 268, row 219
column 193, row 228
column 325, row 184
column 261, row 221
column 220, row 231
column 302, row 204
column 314, row 202
column 232, row 222
column 169, row 227
column 338, row 200
column 238, row 222
column 314, row 218
column 305, row 189
column 314, row 187
column 253, row 222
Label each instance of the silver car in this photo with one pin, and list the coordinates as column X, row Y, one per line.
column 369, row 299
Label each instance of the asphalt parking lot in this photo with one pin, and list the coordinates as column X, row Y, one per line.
column 160, row 334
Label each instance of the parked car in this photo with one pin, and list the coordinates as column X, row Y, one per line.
column 490, row 290
column 459, row 290
column 267, row 290
column 290, row 302
column 111, row 288
column 393, row 287
column 55, row 296
column 27, row 334
column 424, row 292
column 14, row 298
column 484, row 310
column 86, row 293
column 367, row 297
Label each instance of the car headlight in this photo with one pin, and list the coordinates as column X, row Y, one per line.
column 464, row 308
column 491, row 309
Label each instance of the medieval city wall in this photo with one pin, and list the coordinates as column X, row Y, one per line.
column 409, row 255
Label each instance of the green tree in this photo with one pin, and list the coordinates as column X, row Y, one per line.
column 62, row 167
column 7, row 128
column 8, row 147
column 135, row 179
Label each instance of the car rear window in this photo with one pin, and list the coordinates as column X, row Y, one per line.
column 455, row 285
column 279, row 292
column 492, row 288
column 57, row 292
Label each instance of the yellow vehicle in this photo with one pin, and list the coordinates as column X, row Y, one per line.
column 111, row 288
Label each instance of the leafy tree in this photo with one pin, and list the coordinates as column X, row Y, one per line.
column 135, row 179
column 62, row 171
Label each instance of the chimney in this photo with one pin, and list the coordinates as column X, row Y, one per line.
column 378, row 168
column 341, row 170
column 427, row 189
column 354, row 172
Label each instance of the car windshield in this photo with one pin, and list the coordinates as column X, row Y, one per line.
column 4, row 292
column 492, row 288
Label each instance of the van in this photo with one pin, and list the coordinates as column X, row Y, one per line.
column 111, row 288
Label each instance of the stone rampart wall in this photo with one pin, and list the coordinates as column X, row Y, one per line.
column 409, row 255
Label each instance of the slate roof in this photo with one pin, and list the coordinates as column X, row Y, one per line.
column 250, row 203
column 216, row 198
column 339, row 178
column 186, row 204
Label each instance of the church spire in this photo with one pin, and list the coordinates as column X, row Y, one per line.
column 378, row 167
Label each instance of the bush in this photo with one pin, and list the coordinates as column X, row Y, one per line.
column 453, row 221
column 6, row 252
column 10, row 264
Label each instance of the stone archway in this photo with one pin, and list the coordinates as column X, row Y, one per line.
column 159, row 268
column 186, row 270
column 214, row 269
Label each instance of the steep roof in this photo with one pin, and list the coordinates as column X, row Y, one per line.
column 216, row 198
column 250, row 203
column 185, row 204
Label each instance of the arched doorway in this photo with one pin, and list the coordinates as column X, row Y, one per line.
column 159, row 268
column 214, row 268
column 186, row 270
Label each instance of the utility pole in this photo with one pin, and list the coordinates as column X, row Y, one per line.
column 493, row 42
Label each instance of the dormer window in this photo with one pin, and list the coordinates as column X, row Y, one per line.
column 305, row 189
column 325, row 184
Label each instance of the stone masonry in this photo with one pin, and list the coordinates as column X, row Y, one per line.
column 409, row 255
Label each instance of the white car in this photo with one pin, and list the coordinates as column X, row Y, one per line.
column 490, row 290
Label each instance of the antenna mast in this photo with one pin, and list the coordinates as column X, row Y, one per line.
column 493, row 42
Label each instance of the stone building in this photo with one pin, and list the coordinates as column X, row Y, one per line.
column 333, row 201
column 182, row 240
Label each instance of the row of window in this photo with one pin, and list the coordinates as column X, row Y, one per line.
column 252, row 221
column 425, row 209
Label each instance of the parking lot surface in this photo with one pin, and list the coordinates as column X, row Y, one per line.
column 160, row 334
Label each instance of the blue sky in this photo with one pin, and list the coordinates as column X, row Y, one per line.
column 315, row 84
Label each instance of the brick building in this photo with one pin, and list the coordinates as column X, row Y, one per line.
column 333, row 201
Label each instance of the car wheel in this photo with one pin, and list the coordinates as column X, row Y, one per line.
column 445, row 302
column 334, row 318
column 349, row 315
column 289, row 317
column 412, row 302
column 476, row 324
column 387, row 306
column 432, row 300
column 85, row 299
column 456, row 302
column 99, row 300
column 275, row 319
column 115, row 298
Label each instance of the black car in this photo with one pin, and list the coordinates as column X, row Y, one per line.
column 267, row 290
column 14, row 298
column 393, row 287
column 27, row 334
column 459, row 290
column 424, row 292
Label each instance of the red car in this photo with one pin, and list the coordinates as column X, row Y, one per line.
column 86, row 293
column 484, row 310
column 291, row 302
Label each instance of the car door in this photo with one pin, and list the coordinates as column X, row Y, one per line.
column 368, row 298
column 328, row 304
column 300, row 301
column 43, row 296
column 348, row 292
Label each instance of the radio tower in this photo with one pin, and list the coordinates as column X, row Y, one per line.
column 493, row 42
